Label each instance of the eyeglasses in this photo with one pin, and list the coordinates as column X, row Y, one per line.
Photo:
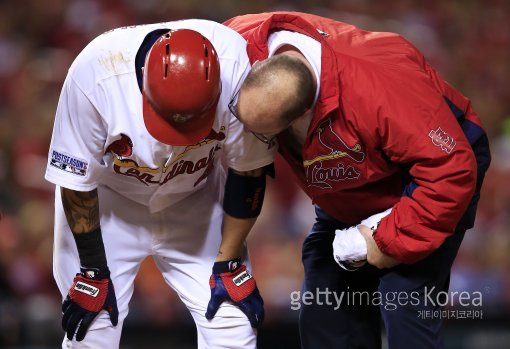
column 232, row 106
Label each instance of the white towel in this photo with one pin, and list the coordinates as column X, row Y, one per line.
column 373, row 221
column 350, row 247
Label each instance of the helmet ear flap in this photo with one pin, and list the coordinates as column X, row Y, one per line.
column 181, row 85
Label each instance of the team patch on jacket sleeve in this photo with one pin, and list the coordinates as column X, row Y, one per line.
column 442, row 139
column 68, row 163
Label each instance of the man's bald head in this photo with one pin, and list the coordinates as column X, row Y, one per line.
column 275, row 93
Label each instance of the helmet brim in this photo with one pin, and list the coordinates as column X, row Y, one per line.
column 163, row 131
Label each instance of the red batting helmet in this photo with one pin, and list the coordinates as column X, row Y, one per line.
column 181, row 87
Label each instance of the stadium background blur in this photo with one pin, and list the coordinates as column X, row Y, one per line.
column 467, row 41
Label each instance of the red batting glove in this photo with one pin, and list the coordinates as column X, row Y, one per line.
column 92, row 291
column 230, row 281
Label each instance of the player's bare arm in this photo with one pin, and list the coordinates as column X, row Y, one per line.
column 230, row 279
column 81, row 210
column 82, row 213
column 235, row 230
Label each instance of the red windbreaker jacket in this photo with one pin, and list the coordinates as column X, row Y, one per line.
column 387, row 131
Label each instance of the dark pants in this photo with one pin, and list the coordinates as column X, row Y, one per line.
column 399, row 296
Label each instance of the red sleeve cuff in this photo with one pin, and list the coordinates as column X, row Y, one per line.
column 406, row 250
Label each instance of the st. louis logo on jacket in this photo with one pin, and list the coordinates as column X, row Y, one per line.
column 326, row 167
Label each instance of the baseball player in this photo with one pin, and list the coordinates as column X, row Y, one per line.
column 373, row 134
column 143, row 148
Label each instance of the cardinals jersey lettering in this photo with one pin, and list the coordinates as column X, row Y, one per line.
column 99, row 137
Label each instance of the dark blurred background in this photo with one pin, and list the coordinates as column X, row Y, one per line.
column 468, row 41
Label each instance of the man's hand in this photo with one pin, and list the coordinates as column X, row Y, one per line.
column 91, row 292
column 374, row 254
column 230, row 281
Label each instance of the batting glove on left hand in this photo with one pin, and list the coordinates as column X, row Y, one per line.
column 230, row 281
column 91, row 292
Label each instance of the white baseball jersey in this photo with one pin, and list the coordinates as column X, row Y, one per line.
column 99, row 136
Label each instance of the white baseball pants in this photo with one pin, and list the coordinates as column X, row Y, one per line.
column 183, row 240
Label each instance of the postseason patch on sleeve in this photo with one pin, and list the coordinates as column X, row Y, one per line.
column 68, row 163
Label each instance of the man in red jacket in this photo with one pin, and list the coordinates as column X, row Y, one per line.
column 366, row 125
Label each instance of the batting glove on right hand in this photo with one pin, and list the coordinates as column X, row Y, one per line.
column 91, row 292
column 230, row 281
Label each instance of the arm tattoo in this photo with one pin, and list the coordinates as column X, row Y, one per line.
column 81, row 210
